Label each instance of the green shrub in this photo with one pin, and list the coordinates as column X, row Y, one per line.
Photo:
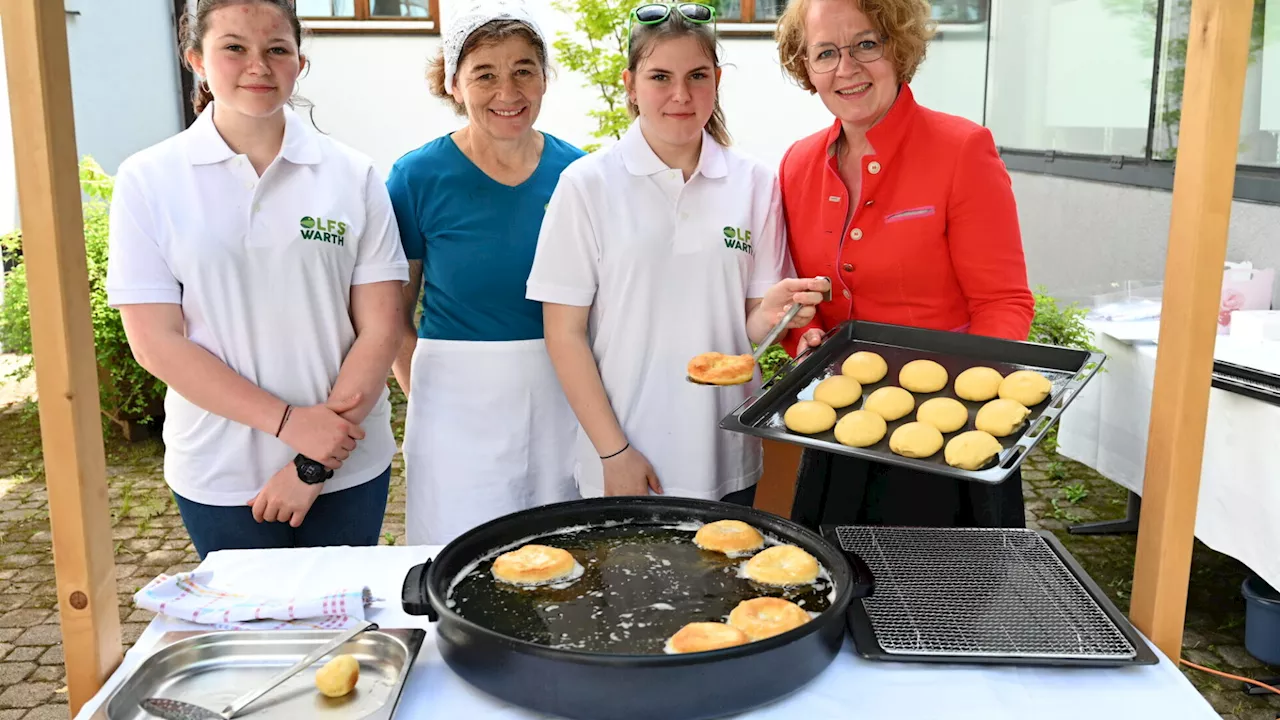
column 597, row 50
column 126, row 391
column 1057, row 325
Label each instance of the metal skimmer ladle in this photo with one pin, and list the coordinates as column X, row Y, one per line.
column 773, row 334
column 178, row 710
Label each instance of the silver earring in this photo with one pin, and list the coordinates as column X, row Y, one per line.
column 204, row 85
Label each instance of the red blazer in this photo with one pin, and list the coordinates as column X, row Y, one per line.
column 934, row 242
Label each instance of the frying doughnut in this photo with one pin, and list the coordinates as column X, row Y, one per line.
column 782, row 565
column 535, row 565
column 1026, row 387
column 865, row 367
column 978, row 384
column 764, row 617
column 923, row 376
column 728, row 536
column 703, row 636
column 719, row 369
column 838, row 391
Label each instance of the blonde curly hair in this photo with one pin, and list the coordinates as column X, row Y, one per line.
column 908, row 24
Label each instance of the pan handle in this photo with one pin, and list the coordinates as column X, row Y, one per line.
column 413, row 594
column 864, row 582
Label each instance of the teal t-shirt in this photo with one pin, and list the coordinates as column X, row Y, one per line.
column 475, row 237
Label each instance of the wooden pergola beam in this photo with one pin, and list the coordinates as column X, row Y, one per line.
column 35, row 46
column 1208, row 137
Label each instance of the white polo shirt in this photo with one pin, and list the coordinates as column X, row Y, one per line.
column 666, row 267
column 263, row 269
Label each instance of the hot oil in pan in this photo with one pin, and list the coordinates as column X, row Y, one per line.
column 641, row 584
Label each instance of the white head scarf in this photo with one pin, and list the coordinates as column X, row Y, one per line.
column 472, row 17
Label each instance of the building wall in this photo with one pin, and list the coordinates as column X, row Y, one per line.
column 1080, row 235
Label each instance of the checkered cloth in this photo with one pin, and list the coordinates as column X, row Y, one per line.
column 190, row 596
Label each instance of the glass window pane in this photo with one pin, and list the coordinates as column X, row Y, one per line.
column 726, row 9
column 1260, row 116
column 1071, row 75
column 399, row 8
column 326, row 8
column 959, row 11
column 769, row 10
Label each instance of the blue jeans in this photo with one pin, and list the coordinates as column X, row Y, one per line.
column 347, row 517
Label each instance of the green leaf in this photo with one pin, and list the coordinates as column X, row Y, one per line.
column 596, row 50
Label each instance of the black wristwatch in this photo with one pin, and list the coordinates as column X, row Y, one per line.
column 310, row 471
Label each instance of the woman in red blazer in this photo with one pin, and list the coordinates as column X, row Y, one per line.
column 911, row 213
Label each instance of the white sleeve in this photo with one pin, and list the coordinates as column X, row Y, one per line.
column 566, row 264
column 772, row 262
column 137, row 270
column 380, row 257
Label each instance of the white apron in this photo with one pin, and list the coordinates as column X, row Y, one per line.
column 488, row 432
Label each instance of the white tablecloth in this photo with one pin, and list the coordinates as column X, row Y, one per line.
column 850, row 687
column 1105, row 427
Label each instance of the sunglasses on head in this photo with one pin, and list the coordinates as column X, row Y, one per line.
column 654, row 13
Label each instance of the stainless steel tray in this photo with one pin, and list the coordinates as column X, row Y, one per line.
column 212, row 668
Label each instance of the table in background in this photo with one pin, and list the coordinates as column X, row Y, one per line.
column 1106, row 426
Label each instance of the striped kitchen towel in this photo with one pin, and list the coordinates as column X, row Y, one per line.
column 191, row 596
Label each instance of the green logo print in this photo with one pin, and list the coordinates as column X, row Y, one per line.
column 738, row 239
column 330, row 231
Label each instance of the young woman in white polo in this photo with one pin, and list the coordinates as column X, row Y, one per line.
column 258, row 271
column 665, row 246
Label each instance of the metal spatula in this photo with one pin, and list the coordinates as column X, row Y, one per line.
column 170, row 709
column 773, row 335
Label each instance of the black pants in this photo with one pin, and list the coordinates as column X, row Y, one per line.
column 836, row 489
column 746, row 497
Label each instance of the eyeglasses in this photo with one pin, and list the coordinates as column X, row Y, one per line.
column 656, row 13
column 825, row 57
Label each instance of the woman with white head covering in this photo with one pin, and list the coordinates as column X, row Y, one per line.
column 489, row 431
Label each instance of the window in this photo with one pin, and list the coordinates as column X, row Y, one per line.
column 1071, row 76
column 368, row 9
column 1260, row 116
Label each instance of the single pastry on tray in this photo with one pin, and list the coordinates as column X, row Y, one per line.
column 1026, row 387
column 978, row 384
column 764, row 617
column 729, row 537
column 916, row 440
column 716, row 368
column 809, row 417
column 338, row 676
column 704, row 636
column 972, row 450
column 865, row 367
column 944, row 413
column 860, row 428
column 890, row 403
column 1001, row 417
column 838, row 391
column 783, row 566
column 922, row 376
column 536, row 565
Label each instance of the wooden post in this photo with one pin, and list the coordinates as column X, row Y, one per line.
column 35, row 46
column 1217, row 57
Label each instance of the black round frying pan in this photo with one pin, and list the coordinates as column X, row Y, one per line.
column 592, row 650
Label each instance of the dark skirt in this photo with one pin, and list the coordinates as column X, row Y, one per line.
column 834, row 489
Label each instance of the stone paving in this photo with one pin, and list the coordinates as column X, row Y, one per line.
column 149, row 540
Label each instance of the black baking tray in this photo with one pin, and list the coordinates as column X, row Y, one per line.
column 1247, row 381
column 866, row 645
column 1067, row 368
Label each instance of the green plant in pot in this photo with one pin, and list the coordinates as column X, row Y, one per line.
column 130, row 397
